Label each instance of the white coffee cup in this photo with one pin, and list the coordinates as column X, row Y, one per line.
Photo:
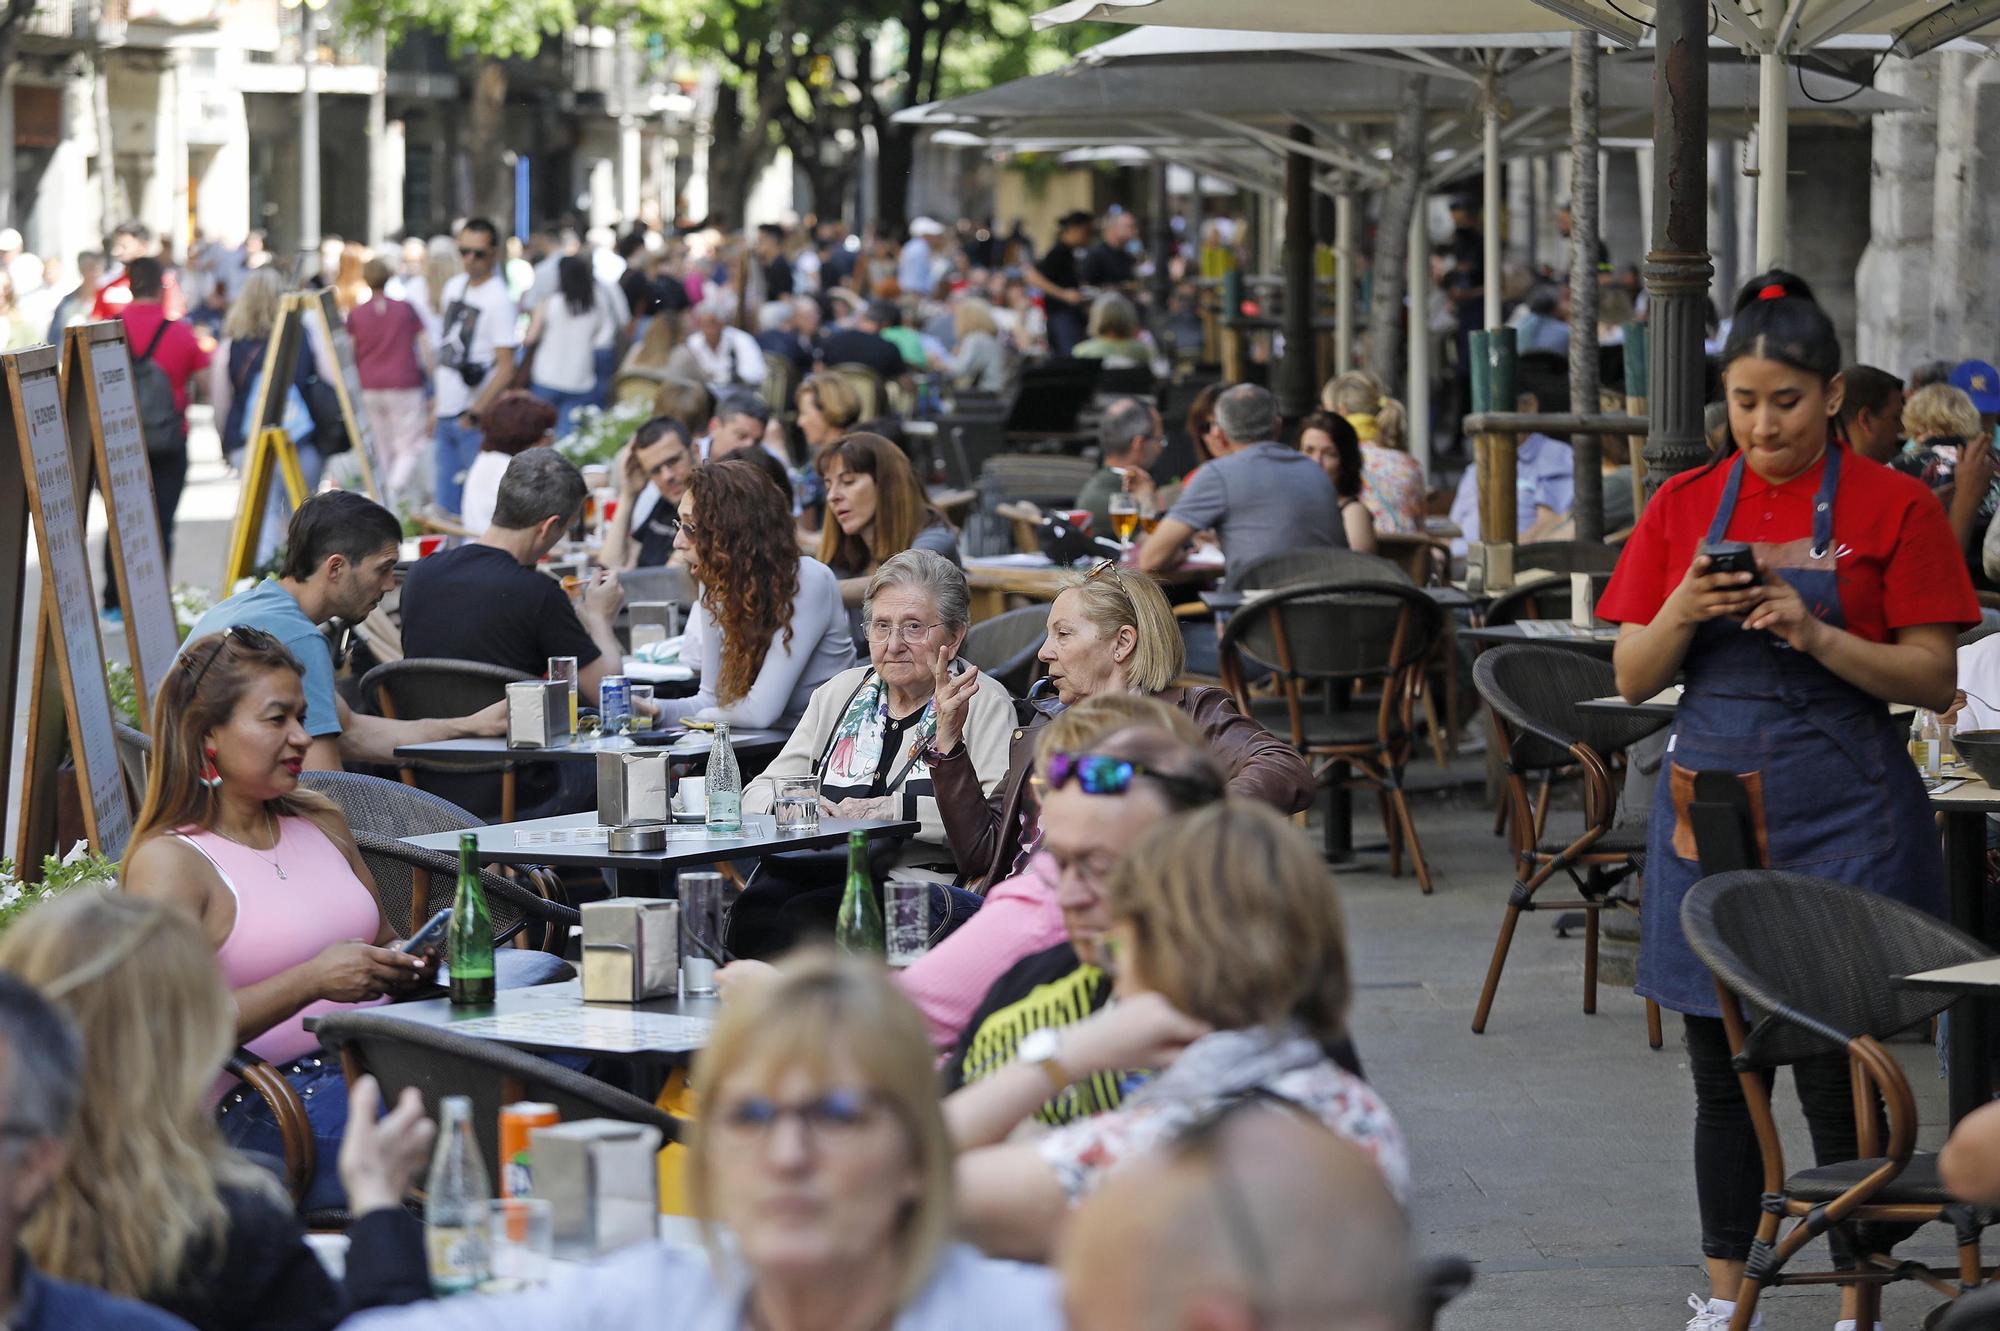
column 691, row 795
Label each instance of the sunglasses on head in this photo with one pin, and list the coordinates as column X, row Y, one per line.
column 1101, row 774
column 254, row 639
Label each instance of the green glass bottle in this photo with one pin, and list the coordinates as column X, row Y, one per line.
column 859, row 927
column 470, row 949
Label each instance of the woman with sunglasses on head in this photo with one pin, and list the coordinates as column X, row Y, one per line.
column 1857, row 593
column 273, row 875
column 1230, row 974
column 1109, row 631
column 820, row 1171
column 769, row 627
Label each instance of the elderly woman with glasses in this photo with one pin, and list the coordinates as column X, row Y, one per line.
column 864, row 735
column 1109, row 631
column 821, row 1173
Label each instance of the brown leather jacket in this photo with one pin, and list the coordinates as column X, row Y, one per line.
column 985, row 835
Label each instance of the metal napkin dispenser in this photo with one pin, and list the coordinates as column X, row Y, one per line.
column 654, row 621
column 601, row 1183
column 634, row 786
column 537, row 713
column 631, row 949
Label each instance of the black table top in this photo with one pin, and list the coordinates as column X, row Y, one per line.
column 687, row 844
column 691, row 744
column 554, row 1018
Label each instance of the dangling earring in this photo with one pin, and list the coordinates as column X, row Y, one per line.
column 210, row 777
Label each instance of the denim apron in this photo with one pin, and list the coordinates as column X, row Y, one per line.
column 1832, row 788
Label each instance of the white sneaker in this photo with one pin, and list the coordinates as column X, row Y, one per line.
column 1714, row 1315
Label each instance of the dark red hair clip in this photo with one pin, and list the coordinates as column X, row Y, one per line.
column 1773, row 292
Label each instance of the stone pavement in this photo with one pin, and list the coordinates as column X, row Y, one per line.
column 1554, row 1151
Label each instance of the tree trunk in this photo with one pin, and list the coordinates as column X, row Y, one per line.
column 485, row 145
column 1392, row 239
column 895, row 160
column 1586, row 448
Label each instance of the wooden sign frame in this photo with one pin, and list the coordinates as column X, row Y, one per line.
column 67, row 646
column 346, row 382
column 108, row 447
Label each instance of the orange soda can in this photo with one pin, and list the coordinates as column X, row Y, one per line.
column 516, row 1122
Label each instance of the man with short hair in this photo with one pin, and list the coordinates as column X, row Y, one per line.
column 1260, row 497
column 777, row 269
column 777, row 332
column 340, row 561
column 718, row 354
column 1130, row 439
column 1109, row 265
column 1260, row 1218
column 157, row 338
column 134, row 240
column 478, row 334
column 41, row 1081
column 1085, row 836
column 739, row 423
column 1871, row 412
column 864, row 344
column 1058, row 275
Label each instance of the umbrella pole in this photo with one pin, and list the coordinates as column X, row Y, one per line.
column 1773, row 152
column 1586, row 449
column 1490, row 227
column 1163, row 245
column 1417, row 387
column 1343, row 267
column 1677, row 269
column 1295, row 374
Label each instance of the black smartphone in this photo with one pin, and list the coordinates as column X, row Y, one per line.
column 1729, row 557
column 431, row 934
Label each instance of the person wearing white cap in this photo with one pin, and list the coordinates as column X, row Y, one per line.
column 917, row 264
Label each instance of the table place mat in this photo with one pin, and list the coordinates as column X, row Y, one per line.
column 1943, row 787
column 602, row 1029
column 562, row 836
column 1972, row 972
column 1559, row 628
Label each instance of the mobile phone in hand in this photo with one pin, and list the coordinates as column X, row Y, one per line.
column 1729, row 557
column 431, row 934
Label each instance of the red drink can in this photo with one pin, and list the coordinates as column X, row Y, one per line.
column 517, row 1121
column 428, row 546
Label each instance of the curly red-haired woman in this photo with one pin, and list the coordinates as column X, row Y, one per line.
column 769, row 627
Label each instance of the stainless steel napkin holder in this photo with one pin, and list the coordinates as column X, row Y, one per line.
column 537, row 713
column 654, row 621
column 631, row 949
column 634, row 786
column 601, row 1182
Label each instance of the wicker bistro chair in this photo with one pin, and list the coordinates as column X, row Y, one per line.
column 1803, row 966
column 1531, row 693
column 1005, row 646
column 423, row 688
column 399, row 1053
column 417, row 883
column 1340, row 634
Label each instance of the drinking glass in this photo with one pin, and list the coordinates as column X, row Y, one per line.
column 520, row 1240
column 908, row 921
column 644, row 717
column 1124, row 517
column 797, row 804
column 564, row 668
column 701, row 933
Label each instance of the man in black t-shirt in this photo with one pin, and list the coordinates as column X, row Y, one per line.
column 485, row 601
column 771, row 258
column 1109, row 265
column 864, row 344
column 1058, row 275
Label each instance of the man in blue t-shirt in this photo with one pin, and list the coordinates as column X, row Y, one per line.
column 41, row 1079
column 340, row 561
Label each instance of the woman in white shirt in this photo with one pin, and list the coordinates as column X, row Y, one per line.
column 769, row 627
column 567, row 332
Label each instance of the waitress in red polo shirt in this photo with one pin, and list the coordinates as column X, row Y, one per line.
column 1788, row 674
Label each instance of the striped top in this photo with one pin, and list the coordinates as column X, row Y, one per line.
column 1049, row 989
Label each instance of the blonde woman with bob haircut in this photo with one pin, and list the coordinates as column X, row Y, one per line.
column 152, row 1205
column 821, row 1174
column 1110, row 631
column 828, row 409
column 1230, row 957
column 1943, row 430
column 978, row 361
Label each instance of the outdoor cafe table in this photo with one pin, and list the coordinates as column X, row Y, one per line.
column 1962, row 806
column 554, row 1019
column 570, row 839
column 690, row 749
column 996, row 577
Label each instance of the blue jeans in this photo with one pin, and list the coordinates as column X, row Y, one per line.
column 565, row 404
column 247, row 1123
column 457, row 446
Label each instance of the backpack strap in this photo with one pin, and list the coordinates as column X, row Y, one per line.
column 158, row 333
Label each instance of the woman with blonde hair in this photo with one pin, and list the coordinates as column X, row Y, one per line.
column 1114, row 334
column 821, row 1173
column 977, row 361
column 1943, row 430
column 1231, row 966
column 1110, row 631
column 151, row 1204
column 1392, row 482
column 828, row 409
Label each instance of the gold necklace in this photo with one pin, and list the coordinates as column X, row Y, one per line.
column 272, row 823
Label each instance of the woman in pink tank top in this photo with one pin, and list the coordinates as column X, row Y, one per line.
column 270, row 871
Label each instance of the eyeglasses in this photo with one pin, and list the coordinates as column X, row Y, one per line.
column 910, row 631
column 1101, row 774
column 465, row 253
column 681, row 524
column 825, row 1118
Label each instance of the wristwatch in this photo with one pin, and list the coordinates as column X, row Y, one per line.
column 1043, row 1049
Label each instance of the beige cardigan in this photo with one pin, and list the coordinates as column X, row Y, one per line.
column 989, row 724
